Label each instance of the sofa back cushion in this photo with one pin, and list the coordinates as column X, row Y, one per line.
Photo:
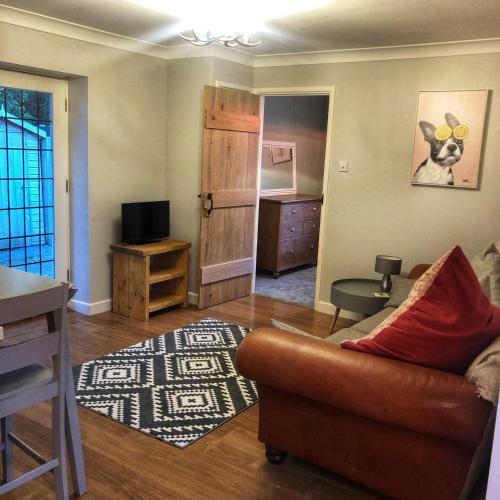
column 484, row 372
column 401, row 288
column 486, row 265
column 445, row 322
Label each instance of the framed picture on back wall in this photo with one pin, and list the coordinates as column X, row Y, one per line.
column 448, row 138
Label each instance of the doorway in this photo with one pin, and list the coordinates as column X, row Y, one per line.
column 34, row 221
column 292, row 181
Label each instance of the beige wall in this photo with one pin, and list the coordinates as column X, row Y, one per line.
column 133, row 138
column 373, row 209
column 231, row 72
column 186, row 79
column 303, row 120
column 144, row 142
column 126, row 130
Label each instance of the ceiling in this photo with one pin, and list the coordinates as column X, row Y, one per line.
column 339, row 24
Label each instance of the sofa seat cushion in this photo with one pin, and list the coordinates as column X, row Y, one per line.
column 344, row 334
column 367, row 325
column 445, row 322
column 289, row 328
column 336, row 338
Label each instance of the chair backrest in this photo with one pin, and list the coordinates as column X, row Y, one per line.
column 37, row 350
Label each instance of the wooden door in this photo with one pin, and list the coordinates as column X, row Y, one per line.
column 229, row 191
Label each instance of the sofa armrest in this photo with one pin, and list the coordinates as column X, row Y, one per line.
column 416, row 398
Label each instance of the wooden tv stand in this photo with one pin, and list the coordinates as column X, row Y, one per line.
column 149, row 277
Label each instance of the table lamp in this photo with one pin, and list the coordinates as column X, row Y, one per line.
column 387, row 265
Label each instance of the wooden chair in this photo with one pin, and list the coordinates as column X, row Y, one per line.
column 25, row 382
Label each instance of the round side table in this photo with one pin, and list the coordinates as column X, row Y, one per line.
column 356, row 295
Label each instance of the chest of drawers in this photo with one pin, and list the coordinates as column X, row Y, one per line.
column 288, row 232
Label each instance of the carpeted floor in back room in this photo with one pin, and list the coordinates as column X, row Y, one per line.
column 296, row 286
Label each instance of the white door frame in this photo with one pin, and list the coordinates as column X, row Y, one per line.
column 59, row 89
column 301, row 91
column 234, row 86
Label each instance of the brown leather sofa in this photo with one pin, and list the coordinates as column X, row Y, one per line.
column 407, row 431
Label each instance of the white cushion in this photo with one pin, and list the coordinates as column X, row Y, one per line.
column 486, row 265
column 484, row 372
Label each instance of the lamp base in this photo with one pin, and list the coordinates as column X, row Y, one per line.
column 386, row 283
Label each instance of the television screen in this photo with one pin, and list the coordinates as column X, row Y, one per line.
column 145, row 222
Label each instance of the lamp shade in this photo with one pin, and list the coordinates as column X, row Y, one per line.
column 387, row 264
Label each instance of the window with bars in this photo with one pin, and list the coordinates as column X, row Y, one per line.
column 26, row 181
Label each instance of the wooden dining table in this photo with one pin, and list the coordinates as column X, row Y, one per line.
column 19, row 285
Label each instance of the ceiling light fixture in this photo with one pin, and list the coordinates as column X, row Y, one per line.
column 202, row 22
column 229, row 40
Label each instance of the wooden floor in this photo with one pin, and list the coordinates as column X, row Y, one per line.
column 228, row 463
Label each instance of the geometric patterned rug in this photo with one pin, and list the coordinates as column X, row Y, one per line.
column 176, row 387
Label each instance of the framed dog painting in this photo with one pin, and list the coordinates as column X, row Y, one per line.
column 449, row 138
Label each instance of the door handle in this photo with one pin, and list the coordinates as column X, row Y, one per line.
column 210, row 197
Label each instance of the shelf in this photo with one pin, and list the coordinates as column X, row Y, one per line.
column 159, row 275
column 158, row 300
column 150, row 277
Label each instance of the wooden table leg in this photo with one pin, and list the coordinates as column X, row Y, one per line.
column 335, row 318
column 72, row 425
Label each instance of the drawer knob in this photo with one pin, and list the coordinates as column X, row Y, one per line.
column 292, row 229
column 315, row 208
column 311, row 246
column 294, row 212
column 314, row 226
column 291, row 252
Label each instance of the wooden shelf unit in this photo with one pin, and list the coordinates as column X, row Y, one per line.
column 149, row 277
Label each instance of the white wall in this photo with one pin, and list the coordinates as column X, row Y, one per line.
column 126, row 130
column 186, row 80
column 132, row 138
column 79, row 174
column 144, row 142
column 373, row 209
column 303, row 120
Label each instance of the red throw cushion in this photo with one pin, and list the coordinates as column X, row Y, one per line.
column 445, row 322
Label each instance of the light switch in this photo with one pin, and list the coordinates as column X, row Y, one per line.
column 343, row 166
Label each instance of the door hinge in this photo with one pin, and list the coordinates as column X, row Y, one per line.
column 322, row 199
column 67, row 185
column 68, row 275
column 66, row 104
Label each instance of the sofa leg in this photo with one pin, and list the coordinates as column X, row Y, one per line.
column 275, row 456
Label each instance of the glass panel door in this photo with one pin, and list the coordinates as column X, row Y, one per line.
column 28, row 190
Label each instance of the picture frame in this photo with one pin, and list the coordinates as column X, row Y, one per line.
column 448, row 141
column 278, row 178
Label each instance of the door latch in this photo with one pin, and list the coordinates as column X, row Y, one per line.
column 210, row 197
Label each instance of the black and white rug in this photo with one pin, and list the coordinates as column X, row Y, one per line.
column 176, row 387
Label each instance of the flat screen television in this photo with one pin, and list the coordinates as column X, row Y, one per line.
column 145, row 222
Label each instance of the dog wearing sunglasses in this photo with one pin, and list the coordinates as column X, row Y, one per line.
column 447, row 147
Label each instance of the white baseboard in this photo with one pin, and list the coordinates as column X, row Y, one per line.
column 328, row 308
column 89, row 309
column 193, row 298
